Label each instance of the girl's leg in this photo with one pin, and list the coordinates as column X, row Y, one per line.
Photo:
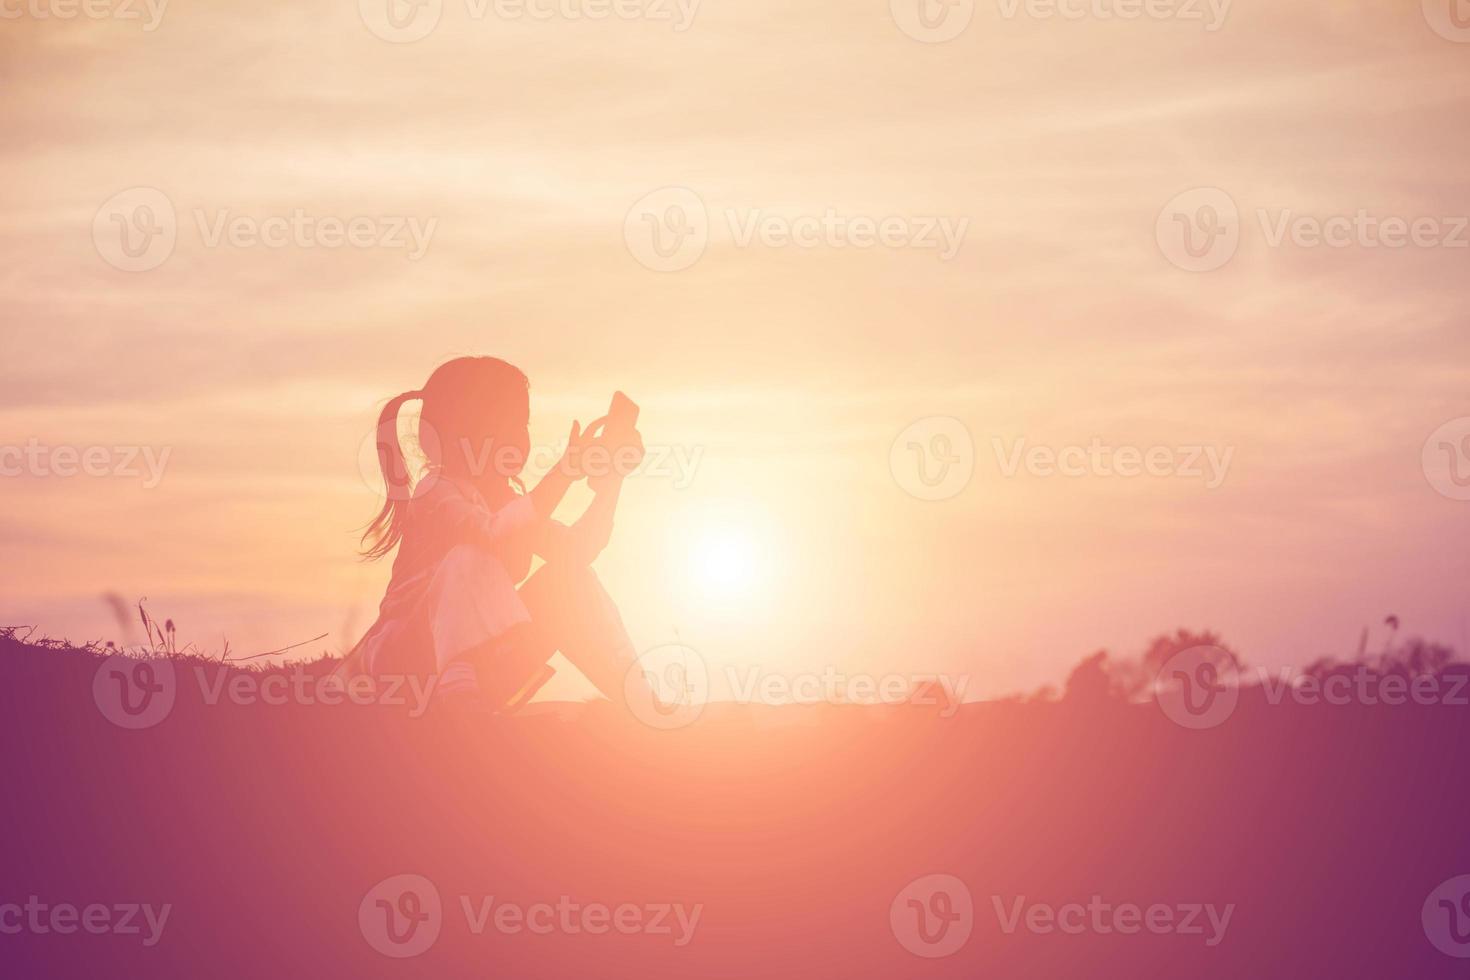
column 473, row 609
column 494, row 640
column 572, row 613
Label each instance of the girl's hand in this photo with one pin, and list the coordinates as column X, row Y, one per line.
column 617, row 461
column 578, row 440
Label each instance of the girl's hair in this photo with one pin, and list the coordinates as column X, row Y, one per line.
column 472, row 406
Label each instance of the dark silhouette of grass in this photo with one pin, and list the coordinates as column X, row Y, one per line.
column 264, row 826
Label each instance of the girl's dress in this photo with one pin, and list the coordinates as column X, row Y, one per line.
column 454, row 592
column 453, row 587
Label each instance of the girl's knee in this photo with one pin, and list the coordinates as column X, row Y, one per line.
column 568, row 581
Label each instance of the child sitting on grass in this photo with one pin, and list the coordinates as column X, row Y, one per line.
column 459, row 603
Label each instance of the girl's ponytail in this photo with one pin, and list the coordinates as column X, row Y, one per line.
column 383, row 534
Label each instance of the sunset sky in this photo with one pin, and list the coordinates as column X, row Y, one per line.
column 784, row 371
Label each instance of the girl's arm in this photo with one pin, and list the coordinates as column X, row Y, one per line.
column 583, row 541
column 547, row 495
column 462, row 520
column 448, row 510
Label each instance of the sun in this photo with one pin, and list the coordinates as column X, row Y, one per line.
column 723, row 562
column 725, row 555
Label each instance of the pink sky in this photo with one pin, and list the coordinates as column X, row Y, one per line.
column 789, row 370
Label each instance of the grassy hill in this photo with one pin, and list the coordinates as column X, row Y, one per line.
column 800, row 835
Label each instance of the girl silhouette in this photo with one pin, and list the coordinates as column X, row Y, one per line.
column 465, row 532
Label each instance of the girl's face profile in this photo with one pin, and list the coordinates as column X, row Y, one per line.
column 516, row 439
column 501, row 435
column 483, row 426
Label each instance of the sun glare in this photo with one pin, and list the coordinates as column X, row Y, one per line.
column 724, row 555
column 723, row 561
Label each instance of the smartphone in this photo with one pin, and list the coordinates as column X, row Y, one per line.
column 622, row 415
